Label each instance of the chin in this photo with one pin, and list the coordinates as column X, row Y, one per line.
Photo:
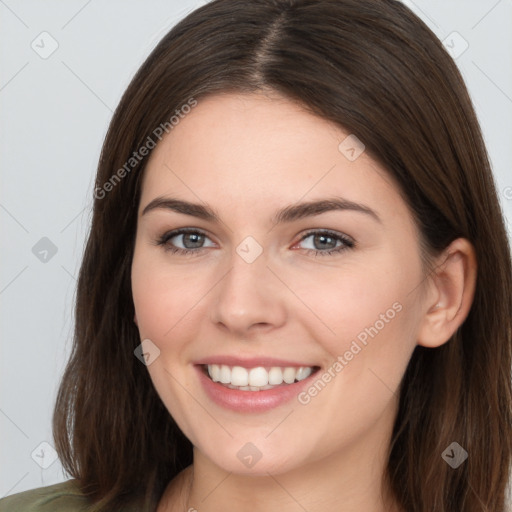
column 250, row 459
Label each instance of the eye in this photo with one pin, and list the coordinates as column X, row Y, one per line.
column 325, row 242
column 191, row 241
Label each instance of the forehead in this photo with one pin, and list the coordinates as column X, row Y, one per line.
column 256, row 149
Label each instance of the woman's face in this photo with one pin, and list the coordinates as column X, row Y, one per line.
column 302, row 257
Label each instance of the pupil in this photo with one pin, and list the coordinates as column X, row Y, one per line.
column 196, row 239
column 324, row 238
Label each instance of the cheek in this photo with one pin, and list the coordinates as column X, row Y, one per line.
column 164, row 304
column 162, row 299
column 355, row 302
column 364, row 319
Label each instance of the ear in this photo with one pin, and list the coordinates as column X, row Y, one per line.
column 135, row 319
column 452, row 288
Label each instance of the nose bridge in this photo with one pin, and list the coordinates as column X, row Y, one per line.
column 248, row 294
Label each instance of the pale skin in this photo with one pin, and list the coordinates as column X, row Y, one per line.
column 246, row 157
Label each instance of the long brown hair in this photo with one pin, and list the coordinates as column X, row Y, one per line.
column 376, row 70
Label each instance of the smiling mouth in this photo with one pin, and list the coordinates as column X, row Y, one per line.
column 259, row 378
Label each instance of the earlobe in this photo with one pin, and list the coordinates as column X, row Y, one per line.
column 453, row 284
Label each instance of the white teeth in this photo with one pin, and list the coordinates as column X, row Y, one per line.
column 239, row 376
column 289, row 374
column 303, row 373
column 225, row 374
column 214, row 371
column 258, row 378
column 275, row 376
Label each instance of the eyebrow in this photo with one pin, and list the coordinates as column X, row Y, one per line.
column 288, row 214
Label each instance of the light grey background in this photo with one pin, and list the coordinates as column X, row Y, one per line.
column 54, row 116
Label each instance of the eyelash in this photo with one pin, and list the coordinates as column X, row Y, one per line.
column 164, row 239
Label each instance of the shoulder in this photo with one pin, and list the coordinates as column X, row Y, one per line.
column 65, row 496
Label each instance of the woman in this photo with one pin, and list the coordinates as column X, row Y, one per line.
column 296, row 291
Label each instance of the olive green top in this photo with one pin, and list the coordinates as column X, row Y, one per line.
column 63, row 497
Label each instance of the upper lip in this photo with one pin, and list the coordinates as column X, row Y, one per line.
column 250, row 362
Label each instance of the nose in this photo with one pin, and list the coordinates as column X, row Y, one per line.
column 249, row 298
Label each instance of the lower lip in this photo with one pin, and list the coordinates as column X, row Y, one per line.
column 250, row 401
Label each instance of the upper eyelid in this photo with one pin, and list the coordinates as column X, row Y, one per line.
column 183, row 231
